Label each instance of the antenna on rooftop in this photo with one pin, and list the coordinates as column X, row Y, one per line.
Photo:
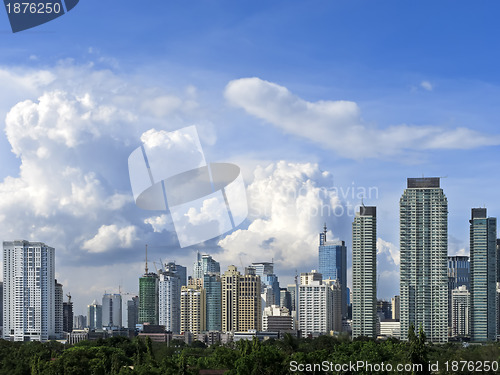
column 146, row 269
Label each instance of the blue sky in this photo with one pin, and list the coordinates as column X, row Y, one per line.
column 370, row 92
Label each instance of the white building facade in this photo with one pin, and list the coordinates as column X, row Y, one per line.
column 169, row 302
column 29, row 291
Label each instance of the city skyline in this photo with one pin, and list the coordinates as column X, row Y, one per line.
column 321, row 106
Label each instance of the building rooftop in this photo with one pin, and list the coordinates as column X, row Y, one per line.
column 423, row 182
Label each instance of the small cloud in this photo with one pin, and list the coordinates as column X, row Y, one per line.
column 33, row 57
column 426, row 85
column 110, row 237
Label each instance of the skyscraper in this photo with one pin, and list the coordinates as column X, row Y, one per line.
column 1, row 308
column 333, row 264
column 169, row 299
column 68, row 316
column 213, row 290
column 314, row 303
column 132, row 312
column 364, row 273
column 148, row 298
column 58, row 309
column 498, row 260
column 94, row 316
column 29, row 291
column 483, row 275
column 241, row 300
column 193, row 304
column 204, row 264
column 423, row 251
column 112, row 310
column 249, row 302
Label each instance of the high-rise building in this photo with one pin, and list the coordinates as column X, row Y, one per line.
column 333, row 264
column 423, row 259
column 29, row 291
column 148, row 298
column 460, row 312
column 364, row 273
column 314, row 302
column 458, row 275
column 169, row 299
column 112, row 310
column 230, row 286
column 58, row 309
column 498, row 309
column 68, row 316
column 483, row 276
column 132, row 313
column 213, row 294
column 249, row 302
column 395, row 307
column 241, row 300
column 1, row 307
column 204, row 264
column 335, row 308
column 94, row 316
column 498, row 260
column 193, row 304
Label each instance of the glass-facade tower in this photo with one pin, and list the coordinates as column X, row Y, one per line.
column 213, row 290
column 148, row 298
column 333, row 264
column 424, row 254
column 483, row 275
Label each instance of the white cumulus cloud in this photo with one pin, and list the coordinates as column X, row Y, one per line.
column 338, row 125
column 110, row 237
column 288, row 205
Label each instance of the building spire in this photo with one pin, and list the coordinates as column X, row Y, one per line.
column 146, row 269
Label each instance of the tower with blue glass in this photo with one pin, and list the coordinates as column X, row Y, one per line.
column 483, row 275
column 333, row 264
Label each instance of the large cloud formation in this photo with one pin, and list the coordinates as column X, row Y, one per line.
column 288, row 205
column 338, row 124
column 71, row 133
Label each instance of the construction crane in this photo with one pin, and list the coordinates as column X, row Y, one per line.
column 125, row 293
column 69, row 297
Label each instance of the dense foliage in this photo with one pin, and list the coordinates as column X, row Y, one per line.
column 123, row 356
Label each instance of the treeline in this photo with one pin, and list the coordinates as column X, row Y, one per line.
column 322, row 355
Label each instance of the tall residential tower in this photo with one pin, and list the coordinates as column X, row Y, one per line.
column 423, row 266
column 483, row 275
column 29, row 291
column 364, row 273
